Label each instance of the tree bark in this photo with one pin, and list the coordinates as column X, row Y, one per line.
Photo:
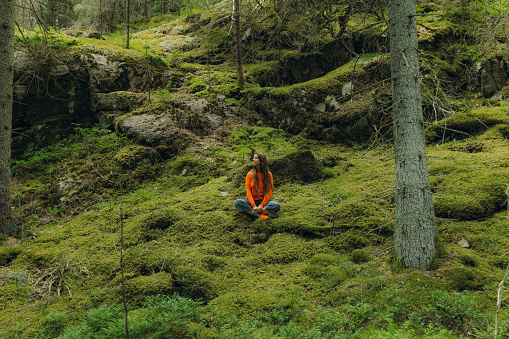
column 7, row 25
column 415, row 230
column 236, row 18
column 127, row 11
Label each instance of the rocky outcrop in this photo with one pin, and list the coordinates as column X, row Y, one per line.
column 494, row 74
column 52, row 96
column 173, row 130
column 55, row 92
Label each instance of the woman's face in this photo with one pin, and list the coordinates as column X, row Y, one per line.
column 256, row 160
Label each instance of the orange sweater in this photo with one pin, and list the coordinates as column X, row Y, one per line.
column 251, row 191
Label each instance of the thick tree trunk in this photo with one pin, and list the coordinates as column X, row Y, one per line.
column 236, row 18
column 415, row 231
column 6, row 79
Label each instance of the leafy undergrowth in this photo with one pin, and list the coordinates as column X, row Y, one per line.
column 194, row 268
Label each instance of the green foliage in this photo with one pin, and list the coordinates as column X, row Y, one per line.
column 53, row 325
column 160, row 316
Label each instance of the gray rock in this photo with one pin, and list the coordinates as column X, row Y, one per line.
column 463, row 243
column 105, row 75
column 493, row 76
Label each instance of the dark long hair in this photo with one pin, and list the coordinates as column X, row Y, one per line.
column 264, row 169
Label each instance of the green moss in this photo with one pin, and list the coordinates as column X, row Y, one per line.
column 358, row 213
column 131, row 155
column 155, row 284
column 473, row 199
column 244, row 302
column 469, row 260
column 182, row 233
column 195, row 283
column 324, row 259
column 267, row 140
column 284, row 249
column 461, row 279
column 8, row 254
column 361, row 255
column 12, row 293
column 350, row 240
column 461, row 125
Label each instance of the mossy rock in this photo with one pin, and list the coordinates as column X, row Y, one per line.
column 469, row 260
column 8, row 254
column 194, row 283
column 287, row 248
column 334, row 276
column 324, row 259
column 298, row 167
column 461, row 278
column 159, row 219
column 212, row 262
column 330, row 276
column 480, row 196
column 240, row 303
column 357, row 213
column 361, row 255
column 159, row 283
column 462, row 125
column 143, row 260
column 350, row 240
column 323, row 267
column 318, row 263
column 306, row 226
column 130, row 156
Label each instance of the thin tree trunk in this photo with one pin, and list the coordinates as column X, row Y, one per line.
column 7, row 24
column 415, row 231
column 101, row 23
column 236, row 18
column 127, row 21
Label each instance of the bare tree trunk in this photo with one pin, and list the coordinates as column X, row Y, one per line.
column 127, row 8
column 236, row 18
column 101, row 22
column 415, row 230
column 7, row 25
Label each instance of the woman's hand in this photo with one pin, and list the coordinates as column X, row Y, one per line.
column 258, row 209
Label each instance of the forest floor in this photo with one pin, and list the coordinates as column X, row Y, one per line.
column 106, row 227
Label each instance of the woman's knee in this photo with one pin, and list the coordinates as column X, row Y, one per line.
column 273, row 207
column 240, row 203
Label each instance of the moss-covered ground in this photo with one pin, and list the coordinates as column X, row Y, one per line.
column 319, row 269
column 104, row 220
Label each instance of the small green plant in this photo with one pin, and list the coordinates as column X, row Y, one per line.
column 53, row 325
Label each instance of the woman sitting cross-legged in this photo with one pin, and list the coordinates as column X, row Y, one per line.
column 259, row 185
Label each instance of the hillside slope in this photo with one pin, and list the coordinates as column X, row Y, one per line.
column 119, row 211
